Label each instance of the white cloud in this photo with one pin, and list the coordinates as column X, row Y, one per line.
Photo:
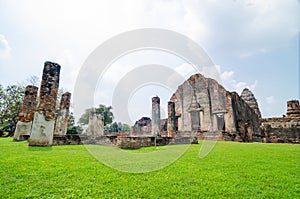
column 185, row 70
column 227, row 76
column 5, row 49
column 270, row 100
column 231, row 83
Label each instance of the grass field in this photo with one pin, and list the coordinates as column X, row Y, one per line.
column 231, row 170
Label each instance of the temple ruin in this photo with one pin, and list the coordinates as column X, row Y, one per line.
column 142, row 127
column 249, row 98
column 284, row 129
column 95, row 125
column 44, row 116
column 202, row 105
column 27, row 109
column 61, row 123
column 199, row 107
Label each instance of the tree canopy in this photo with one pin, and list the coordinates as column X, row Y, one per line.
column 10, row 100
column 117, row 127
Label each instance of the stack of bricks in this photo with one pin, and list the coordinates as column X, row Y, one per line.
column 43, row 123
column 26, row 114
column 61, row 124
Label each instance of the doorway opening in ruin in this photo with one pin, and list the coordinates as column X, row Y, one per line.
column 176, row 123
column 195, row 117
column 220, row 122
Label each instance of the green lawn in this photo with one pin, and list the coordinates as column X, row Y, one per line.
column 231, row 170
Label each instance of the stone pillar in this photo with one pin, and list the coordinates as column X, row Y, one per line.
column 171, row 118
column 156, row 116
column 95, row 125
column 24, row 124
column 43, row 123
column 61, row 123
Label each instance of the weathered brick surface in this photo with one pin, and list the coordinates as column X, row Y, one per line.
column 43, row 123
column 281, row 130
column 293, row 108
column 61, row 123
column 28, row 105
column 142, row 127
column 49, row 90
column 250, row 99
column 26, row 114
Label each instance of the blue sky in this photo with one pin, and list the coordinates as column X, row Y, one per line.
column 253, row 43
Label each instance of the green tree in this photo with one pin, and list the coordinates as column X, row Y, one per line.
column 117, row 127
column 105, row 111
column 10, row 100
column 84, row 119
column 114, row 127
column 74, row 130
column 71, row 120
column 125, row 128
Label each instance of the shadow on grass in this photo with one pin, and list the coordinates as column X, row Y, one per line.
column 39, row 148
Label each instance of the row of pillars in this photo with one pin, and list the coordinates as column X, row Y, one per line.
column 37, row 121
column 156, row 119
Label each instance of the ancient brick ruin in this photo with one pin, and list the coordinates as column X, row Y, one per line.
column 61, row 123
column 26, row 114
column 199, row 106
column 283, row 129
column 95, row 125
column 293, row 108
column 249, row 98
column 142, row 127
column 202, row 105
column 44, row 116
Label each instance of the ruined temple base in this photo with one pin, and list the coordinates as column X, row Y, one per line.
column 281, row 130
column 42, row 131
column 71, row 139
column 124, row 142
column 22, row 131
